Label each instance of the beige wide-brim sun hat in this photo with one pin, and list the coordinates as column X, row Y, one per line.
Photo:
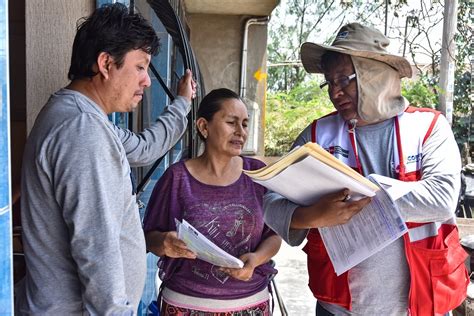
column 356, row 40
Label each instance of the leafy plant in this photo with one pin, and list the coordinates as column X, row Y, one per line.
column 416, row 27
column 419, row 93
column 288, row 113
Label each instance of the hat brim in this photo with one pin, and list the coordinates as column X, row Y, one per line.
column 311, row 58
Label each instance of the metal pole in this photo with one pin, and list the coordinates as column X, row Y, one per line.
column 447, row 63
column 243, row 64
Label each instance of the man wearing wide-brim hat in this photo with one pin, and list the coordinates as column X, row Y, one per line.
column 375, row 131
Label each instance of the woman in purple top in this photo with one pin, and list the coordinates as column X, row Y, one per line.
column 213, row 194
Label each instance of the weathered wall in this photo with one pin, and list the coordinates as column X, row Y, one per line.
column 50, row 28
column 216, row 39
column 217, row 42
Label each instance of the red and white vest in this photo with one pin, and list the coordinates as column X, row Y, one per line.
column 438, row 276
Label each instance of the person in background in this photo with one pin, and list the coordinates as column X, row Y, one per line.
column 83, row 242
column 375, row 131
column 213, row 194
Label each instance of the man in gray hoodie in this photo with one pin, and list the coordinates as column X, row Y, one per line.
column 83, row 242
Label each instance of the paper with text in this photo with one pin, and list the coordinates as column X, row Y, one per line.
column 395, row 188
column 204, row 248
column 369, row 231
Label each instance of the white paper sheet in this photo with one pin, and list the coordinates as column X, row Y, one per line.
column 204, row 248
column 372, row 229
column 395, row 188
column 369, row 231
column 305, row 181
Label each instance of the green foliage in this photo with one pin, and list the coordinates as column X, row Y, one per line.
column 287, row 114
column 289, row 28
column 419, row 93
column 462, row 114
column 307, row 20
column 462, row 103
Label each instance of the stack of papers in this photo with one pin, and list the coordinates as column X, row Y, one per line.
column 309, row 172
column 204, row 248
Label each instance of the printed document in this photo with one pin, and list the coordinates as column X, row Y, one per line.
column 204, row 248
column 369, row 231
column 307, row 173
column 395, row 188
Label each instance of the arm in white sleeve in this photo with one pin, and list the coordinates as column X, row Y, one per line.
column 435, row 196
column 146, row 147
column 90, row 191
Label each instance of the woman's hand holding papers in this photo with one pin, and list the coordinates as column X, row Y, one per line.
column 244, row 274
column 168, row 244
column 264, row 252
column 331, row 210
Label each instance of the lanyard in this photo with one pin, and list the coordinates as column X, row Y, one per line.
column 352, row 138
column 401, row 167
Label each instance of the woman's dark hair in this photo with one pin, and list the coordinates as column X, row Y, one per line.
column 331, row 59
column 111, row 29
column 212, row 103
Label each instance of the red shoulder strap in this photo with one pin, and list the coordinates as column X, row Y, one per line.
column 412, row 109
column 313, row 131
column 315, row 122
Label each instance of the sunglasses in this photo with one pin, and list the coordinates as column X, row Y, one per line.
column 341, row 82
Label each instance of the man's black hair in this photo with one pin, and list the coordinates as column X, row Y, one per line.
column 111, row 29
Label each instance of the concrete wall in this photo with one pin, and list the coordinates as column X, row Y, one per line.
column 50, row 28
column 217, row 42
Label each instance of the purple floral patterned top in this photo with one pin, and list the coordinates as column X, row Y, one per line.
column 231, row 216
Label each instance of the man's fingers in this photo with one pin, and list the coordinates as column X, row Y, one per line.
column 339, row 195
column 189, row 76
column 363, row 202
column 357, row 206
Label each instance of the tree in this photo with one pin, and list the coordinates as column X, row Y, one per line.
column 413, row 29
column 297, row 21
column 463, row 113
column 422, row 25
column 289, row 28
column 289, row 113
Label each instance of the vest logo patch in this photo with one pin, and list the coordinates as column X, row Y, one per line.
column 338, row 151
column 413, row 158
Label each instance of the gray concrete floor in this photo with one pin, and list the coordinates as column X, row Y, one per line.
column 292, row 282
